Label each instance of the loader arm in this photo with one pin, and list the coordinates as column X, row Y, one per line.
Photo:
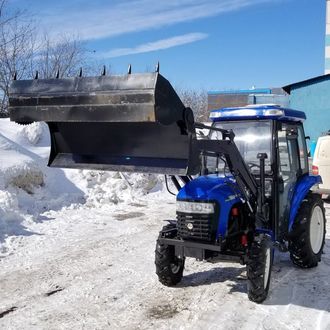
column 235, row 162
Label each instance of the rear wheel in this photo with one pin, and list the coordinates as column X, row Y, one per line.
column 259, row 266
column 169, row 267
column 308, row 233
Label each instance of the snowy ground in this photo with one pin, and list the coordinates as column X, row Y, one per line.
column 77, row 252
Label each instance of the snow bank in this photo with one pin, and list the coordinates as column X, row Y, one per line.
column 20, row 174
column 22, row 167
column 104, row 189
column 10, row 219
column 33, row 133
column 28, row 188
column 18, row 167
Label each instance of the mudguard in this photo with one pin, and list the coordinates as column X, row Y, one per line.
column 303, row 185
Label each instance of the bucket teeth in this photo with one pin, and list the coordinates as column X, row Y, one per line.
column 103, row 71
column 15, row 75
column 36, row 75
column 129, row 70
column 80, row 72
column 57, row 74
column 157, row 67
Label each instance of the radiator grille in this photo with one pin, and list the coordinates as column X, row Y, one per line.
column 196, row 226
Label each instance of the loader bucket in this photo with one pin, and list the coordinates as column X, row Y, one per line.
column 132, row 123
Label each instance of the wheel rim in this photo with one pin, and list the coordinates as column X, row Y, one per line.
column 267, row 267
column 316, row 230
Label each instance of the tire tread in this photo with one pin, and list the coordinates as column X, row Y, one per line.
column 256, row 268
column 164, row 256
column 301, row 253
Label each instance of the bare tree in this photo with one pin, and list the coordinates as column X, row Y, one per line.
column 63, row 54
column 197, row 101
column 17, row 46
column 23, row 52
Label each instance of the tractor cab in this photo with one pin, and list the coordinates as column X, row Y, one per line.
column 279, row 134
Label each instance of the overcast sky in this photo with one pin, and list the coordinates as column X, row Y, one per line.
column 213, row 44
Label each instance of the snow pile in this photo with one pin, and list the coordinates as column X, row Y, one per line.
column 23, row 168
column 26, row 178
column 18, row 167
column 20, row 175
column 28, row 188
column 10, row 219
column 33, row 133
column 108, row 188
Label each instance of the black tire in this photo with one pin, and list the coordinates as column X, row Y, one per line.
column 169, row 268
column 327, row 199
column 303, row 253
column 258, row 268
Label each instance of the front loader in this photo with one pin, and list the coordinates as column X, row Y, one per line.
column 243, row 190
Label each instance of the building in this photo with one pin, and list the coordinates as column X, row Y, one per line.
column 242, row 97
column 313, row 97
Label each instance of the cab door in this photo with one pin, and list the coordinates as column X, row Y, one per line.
column 288, row 171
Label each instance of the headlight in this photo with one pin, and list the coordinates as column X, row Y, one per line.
column 192, row 207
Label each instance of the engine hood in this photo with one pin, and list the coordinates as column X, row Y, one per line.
column 211, row 187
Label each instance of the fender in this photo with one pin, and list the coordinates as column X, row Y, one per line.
column 303, row 185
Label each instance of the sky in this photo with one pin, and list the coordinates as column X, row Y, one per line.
column 200, row 44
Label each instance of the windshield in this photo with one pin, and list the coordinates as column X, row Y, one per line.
column 251, row 138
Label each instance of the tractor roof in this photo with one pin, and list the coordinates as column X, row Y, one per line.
column 257, row 111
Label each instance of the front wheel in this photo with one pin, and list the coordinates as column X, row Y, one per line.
column 259, row 266
column 308, row 233
column 169, row 267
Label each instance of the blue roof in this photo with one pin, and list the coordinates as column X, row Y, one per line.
column 306, row 82
column 263, row 111
column 241, row 91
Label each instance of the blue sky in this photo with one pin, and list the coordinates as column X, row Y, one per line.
column 210, row 44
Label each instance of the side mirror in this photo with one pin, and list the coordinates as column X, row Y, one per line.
column 307, row 137
column 262, row 156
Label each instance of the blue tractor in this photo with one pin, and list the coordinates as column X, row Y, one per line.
column 253, row 194
column 243, row 188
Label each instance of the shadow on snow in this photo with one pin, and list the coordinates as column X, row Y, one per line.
column 290, row 285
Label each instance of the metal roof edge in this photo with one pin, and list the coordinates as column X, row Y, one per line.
column 288, row 88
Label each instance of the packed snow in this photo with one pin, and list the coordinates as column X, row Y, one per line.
column 77, row 252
